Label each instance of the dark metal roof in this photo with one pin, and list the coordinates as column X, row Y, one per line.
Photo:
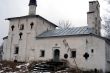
column 90, row 12
column 67, row 32
column 93, row 1
column 32, row 2
column 29, row 16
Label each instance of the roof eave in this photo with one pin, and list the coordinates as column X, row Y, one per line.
column 89, row 34
column 63, row 36
column 31, row 16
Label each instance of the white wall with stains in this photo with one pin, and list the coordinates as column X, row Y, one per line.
column 28, row 36
column 81, row 44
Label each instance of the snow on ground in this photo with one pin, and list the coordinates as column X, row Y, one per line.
column 22, row 68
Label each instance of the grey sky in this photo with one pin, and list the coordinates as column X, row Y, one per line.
column 53, row 10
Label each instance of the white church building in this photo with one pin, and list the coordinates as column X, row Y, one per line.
column 34, row 38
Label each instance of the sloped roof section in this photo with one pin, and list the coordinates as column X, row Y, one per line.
column 31, row 16
column 33, row 2
column 67, row 32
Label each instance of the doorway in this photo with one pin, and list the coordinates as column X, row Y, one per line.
column 56, row 56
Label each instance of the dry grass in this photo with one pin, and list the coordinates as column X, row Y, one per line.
column 11, row 66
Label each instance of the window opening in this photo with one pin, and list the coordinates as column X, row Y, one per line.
column 32, row 24
column 16, row 50
column 65, row 56
column 92, row 50
column 20, row 35
column 12, row 27
column 73, row 54
column 21, row 27
column 42, row 53
column 86, row 55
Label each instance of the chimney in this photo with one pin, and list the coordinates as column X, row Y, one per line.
column 93, row 16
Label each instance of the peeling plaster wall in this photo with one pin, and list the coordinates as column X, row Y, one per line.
column 30, row 47
column 80, row 44
column 28, row 37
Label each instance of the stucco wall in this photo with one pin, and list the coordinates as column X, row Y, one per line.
column 4, row 49
column 107, row 47
column 30, row 47
column 28, row 37
column 80, row 44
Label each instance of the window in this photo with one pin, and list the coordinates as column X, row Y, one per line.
column 12, row 27
column 92, row 50
column 16, row 50
column 65, row 56
column 21, row 27
column 73, row 54
column 32, row 24
column 86, row 55
column 20, row 35
column 42, row 53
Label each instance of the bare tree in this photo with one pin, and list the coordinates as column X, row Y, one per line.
column 106, row 27
column 64, row 24
column 108, row 1
column 106, row 18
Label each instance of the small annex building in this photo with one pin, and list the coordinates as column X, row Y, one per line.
column 33, row 38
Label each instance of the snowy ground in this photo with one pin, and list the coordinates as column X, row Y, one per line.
column 22, row 68
column 11, row 67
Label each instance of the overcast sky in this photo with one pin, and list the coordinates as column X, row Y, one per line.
column 53, row 10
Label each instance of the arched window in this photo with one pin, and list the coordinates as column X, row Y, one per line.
column 32, row 24
column 12, row 27
column 20, row 35
column 21, row 27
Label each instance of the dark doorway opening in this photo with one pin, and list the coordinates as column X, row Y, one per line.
column 56, row 57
